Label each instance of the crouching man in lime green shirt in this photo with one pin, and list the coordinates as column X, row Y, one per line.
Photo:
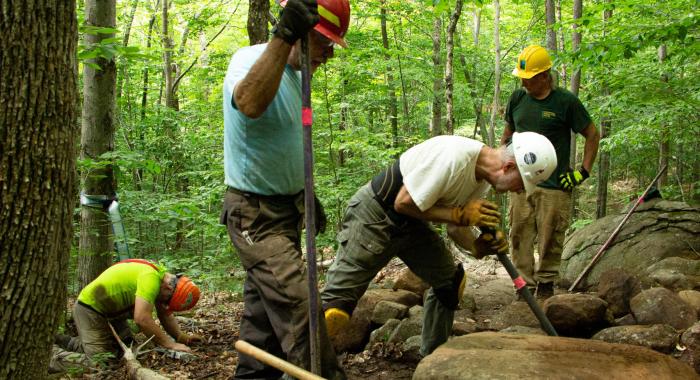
column 129, row 289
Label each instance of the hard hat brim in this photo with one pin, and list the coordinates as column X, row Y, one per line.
column 330, row 35
column 523, row 74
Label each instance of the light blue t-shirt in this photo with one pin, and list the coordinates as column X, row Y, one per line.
column 263, row 155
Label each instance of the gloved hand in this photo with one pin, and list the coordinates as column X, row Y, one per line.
column 187, row 339
column 572, row 178
column 490, row 243
column 321, row 219
column 480, row 213
column 296, row 19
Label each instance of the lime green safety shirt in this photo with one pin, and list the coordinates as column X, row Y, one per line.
column 114, row 291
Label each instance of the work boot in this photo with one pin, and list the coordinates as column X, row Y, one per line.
column 545, row 290
column 336, row 320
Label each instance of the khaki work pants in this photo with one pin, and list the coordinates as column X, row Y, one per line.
column 543, row 217
column 266, row 232
column 94, row 337
column 368, row 240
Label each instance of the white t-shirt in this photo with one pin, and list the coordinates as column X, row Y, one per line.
column 441, row 171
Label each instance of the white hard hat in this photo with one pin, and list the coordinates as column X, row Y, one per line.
column 535, row 156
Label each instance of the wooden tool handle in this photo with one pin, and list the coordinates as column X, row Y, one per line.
column 269, row 359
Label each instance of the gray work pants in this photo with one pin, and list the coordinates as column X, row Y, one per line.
column 266, row 232
column 368, row 240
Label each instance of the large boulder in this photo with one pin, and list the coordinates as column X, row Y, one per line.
column 410, row 281
column 579, row 315
column 356, row 335
column 656, row 230
column 690, row 340
column 489, row 355
column 662, row 306
column 617, row 287
column 662, row 338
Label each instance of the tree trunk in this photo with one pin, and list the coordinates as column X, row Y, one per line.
column 38, row 136
column 497, row 72
column 257, row 21
column 168, row 69
column 575, row 85
column 477, row 102
column 389, row 77
column 97, row 138
column 449, row 46
column 406, row 115
column 125, row 43
column 664, row 145
column 551, row 34
column 138, row 173
column 436, row 121
column 604, row 156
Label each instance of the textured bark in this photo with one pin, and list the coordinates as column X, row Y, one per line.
column 449, row 81
column 575, row 84
column 97, row 138
column 436, row 121
column 551, row 34
column 604, row 156
column 258, row 11
column 389, row 77
column 479, row 122
column 38, row 132
column 497, row 71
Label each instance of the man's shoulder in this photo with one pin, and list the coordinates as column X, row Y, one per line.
column 565, row 94
column 251, row 52
column 517, row 94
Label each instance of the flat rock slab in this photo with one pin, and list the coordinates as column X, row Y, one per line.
column 489, row 355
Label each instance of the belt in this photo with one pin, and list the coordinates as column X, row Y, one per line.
column 276, row 197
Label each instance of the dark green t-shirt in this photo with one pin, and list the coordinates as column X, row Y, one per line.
column 554, row 117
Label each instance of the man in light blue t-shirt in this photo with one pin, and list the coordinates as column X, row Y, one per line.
column 264, row 173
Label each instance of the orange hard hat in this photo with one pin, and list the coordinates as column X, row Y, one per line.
column 185, row 296
column 334, row 19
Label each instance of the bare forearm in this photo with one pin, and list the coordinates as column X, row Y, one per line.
column 507, row 133
column 170, row 324
column 149, row 328
column 405, row 205
column 590, row 148
column 254, row 93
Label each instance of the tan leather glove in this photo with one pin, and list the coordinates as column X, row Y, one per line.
column 488, row 244
column 479, row 213
column 189, row 339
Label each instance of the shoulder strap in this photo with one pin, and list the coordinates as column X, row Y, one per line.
column 140, row 261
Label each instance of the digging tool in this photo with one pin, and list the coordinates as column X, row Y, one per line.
column 612, row 237
column 522, row 289
column 310, row 206
column 271, row 360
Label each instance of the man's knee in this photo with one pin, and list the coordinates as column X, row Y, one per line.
column 450, row 295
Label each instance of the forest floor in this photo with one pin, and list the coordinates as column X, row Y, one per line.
column 217, row 318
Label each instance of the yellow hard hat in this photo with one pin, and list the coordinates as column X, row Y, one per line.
column 533, row 60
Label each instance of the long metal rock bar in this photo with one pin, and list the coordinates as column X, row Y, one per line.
column 310, row 206
column 614, row 234
column 522, row 289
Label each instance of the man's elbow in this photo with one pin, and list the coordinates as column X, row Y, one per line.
column 250, row 109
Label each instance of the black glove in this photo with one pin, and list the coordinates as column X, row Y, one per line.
column 320, row 216
column 572, row 178
column 296, row 19
column 490, row 242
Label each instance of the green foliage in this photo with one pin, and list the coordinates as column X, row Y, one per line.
column 169, row 162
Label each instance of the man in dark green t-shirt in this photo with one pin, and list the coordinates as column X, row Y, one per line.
column 543, row 216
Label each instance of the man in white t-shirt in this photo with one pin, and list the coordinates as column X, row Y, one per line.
column 441, row 180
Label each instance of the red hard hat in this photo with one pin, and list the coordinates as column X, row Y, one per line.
column 185, row 296
column 334, row 19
